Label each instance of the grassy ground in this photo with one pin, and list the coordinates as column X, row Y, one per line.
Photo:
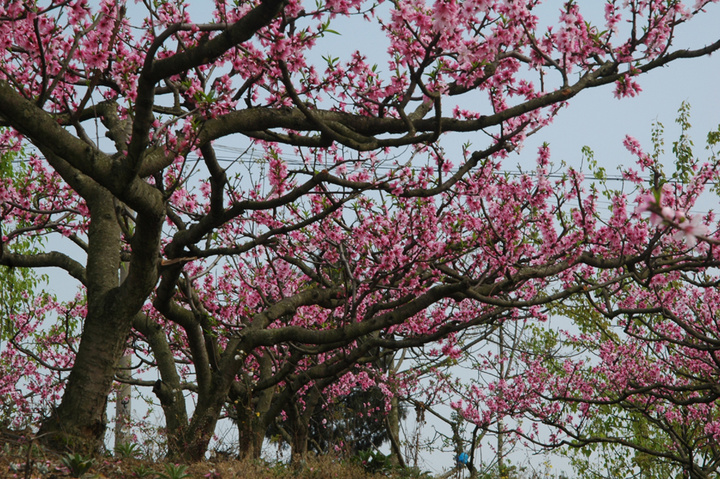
column 20, row 459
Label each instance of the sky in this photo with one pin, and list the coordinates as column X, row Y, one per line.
column 597, row 119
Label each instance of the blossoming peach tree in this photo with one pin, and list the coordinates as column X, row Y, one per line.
column 627, row 376
column 260, row 285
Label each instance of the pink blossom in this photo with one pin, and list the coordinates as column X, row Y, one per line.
column 692, row 229
column 444, row 15
column 626, row 87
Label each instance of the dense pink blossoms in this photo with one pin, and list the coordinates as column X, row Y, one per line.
column 349, row 230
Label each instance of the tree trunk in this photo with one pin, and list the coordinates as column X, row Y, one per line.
column 251, row 434
column 251, row 421
column 167, row 389
column 254, row 413
column 300, row 438
column 123, row 397
column 200, row 431
column 393, row 428
column 301, row 419
column 79, row 422
column 123, row 404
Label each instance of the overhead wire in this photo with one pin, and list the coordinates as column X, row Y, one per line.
column 235, row 154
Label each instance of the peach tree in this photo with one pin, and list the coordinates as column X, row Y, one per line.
column 294, row 275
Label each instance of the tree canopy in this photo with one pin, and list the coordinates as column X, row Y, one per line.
column 347, row 236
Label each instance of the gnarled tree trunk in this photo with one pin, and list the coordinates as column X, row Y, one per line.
column 79, row 422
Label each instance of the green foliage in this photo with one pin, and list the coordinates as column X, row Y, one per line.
column 606, row 460
column 16, row 282
column 344, row 423
column 143, row 470
column 127, row 450
column 713, row 138
column 519, row 471
column 618, row 420
column 77, row 464
column 175, row 471
column 657, row 135
column 682, row 147
column 19, row 287
column 374, row 461
column 412, row 473
column 14, row 298
column 684, row 161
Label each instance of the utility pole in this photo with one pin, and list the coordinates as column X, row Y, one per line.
column 123, row 400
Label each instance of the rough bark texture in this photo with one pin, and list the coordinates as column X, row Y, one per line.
column 79, row 421
column 393, row 425
column 251, row 433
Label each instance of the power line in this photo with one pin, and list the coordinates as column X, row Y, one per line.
column 248, row 156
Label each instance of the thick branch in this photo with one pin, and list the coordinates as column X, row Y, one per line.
column 43, row 260
column 155, row 70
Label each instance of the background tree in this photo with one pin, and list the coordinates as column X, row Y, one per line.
column 26, row 350
column 252, row 288
column 632, row 384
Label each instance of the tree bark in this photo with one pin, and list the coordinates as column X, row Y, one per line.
column 79, row 422
column 254, row 413
column 167, row 389
column 251, row 434
column 393, row 428
column 123, row 396
column 123, row 404
column 201, row 429
column 301, row 426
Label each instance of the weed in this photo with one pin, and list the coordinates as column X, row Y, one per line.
column 127, row 450
column 77, row 464
column 175, row 471
column 142, row 471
